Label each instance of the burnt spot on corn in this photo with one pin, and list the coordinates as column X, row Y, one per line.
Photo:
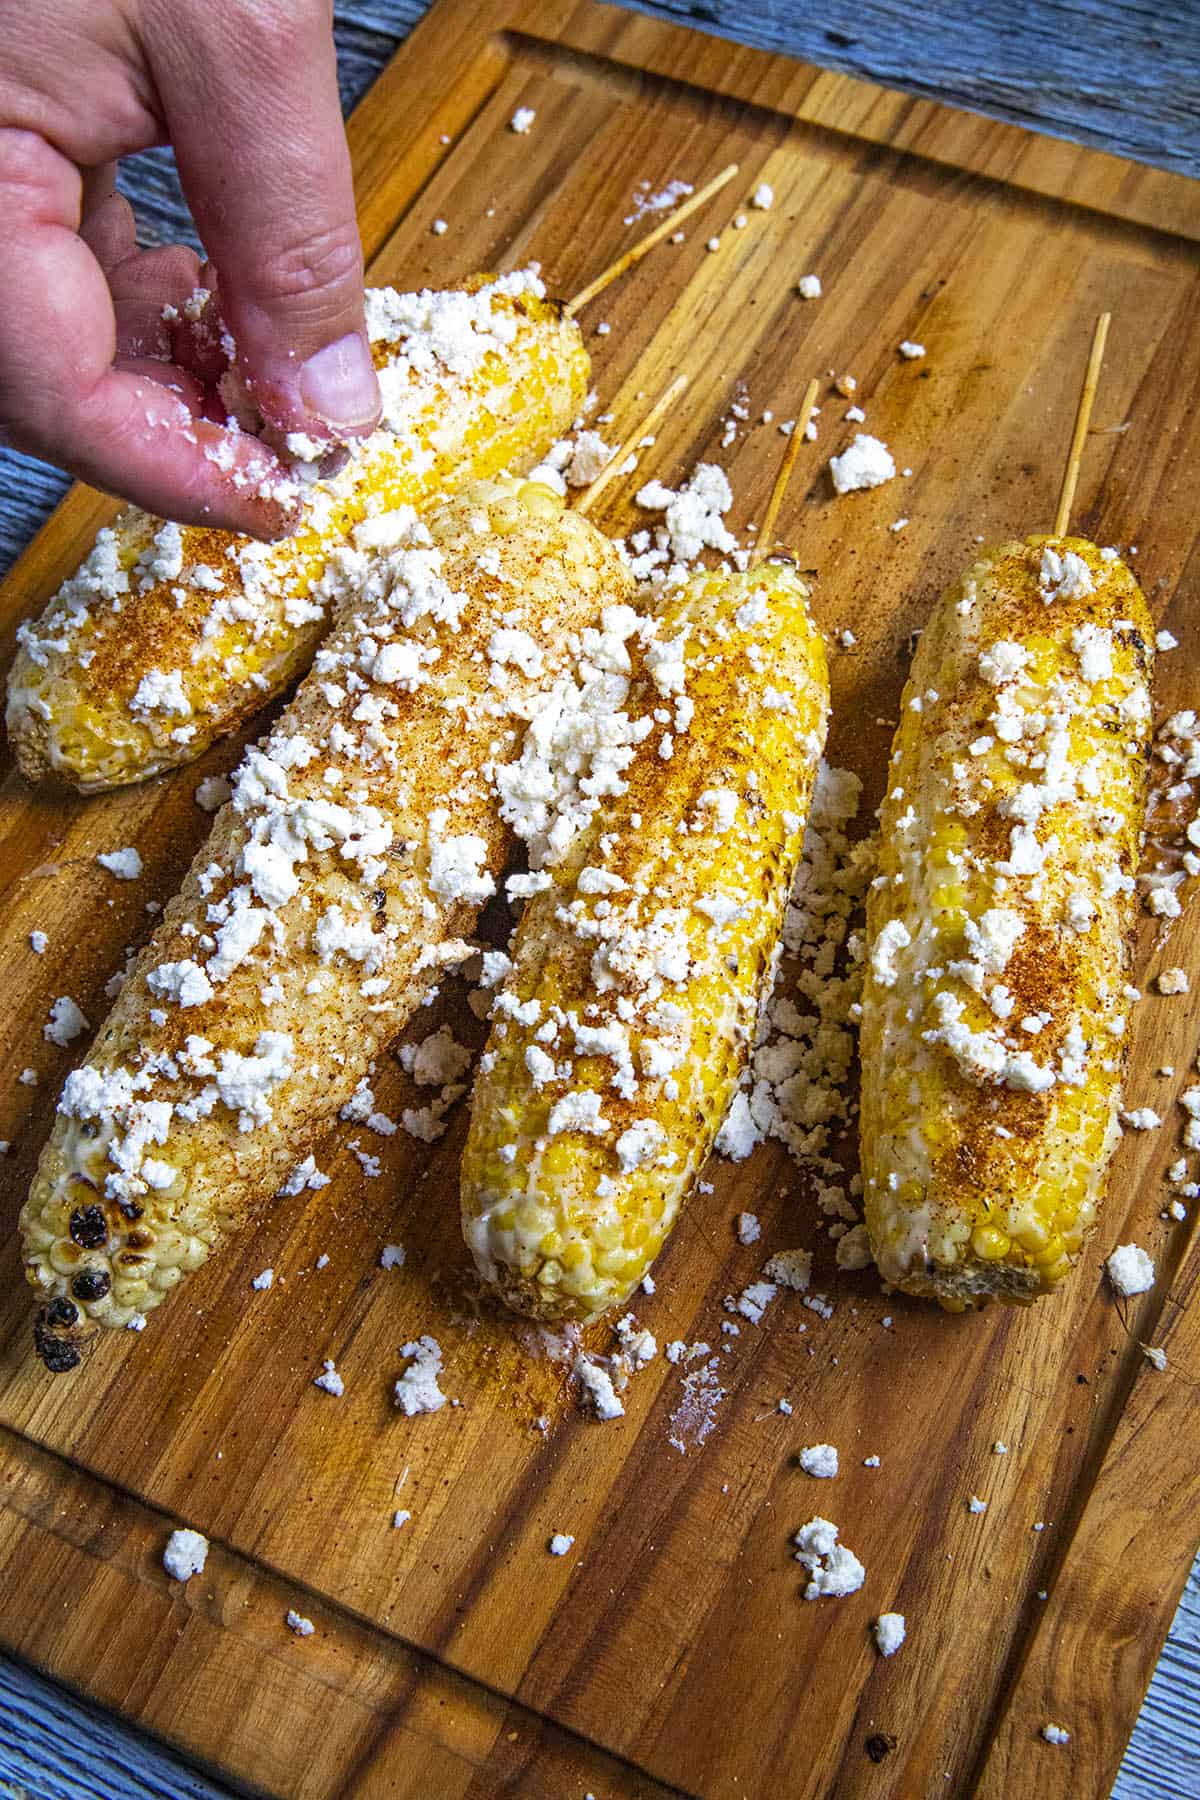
column 91, row 1284
column 89, row 1227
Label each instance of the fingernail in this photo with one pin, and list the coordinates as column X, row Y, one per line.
column 338, row 384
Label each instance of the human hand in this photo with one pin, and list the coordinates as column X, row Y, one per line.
column 90, row 375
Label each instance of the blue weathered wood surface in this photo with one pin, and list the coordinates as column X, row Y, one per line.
column 1123, row 75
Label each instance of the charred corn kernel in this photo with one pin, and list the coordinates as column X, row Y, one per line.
column 168, row 636
column 361, row 839
column 993, row 1029
column 629, row 1012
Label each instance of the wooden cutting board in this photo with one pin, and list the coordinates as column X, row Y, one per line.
column 671, row 1650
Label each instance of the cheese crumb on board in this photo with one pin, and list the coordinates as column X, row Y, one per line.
column 890, row 1632
column 1054, row 1734
column 596, row 1391
column 911, row 352
column 329, row 1381
column 297, row 1623
column 1172, row 981
column 560, row 1543
column 65, row 1023
column 763, row 197
column 1130, row 1270
column 185, row 1554
column 748, row 1228
column 213, row 792
column 125, row 864
column 522, row 119
column 867, row 463
column 833, row 1569
column 819, row 1460
column 417, row 1390
column 809, row 287
column 264, row 1281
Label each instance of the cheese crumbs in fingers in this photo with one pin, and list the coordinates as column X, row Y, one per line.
column 169, row 636
column 362, row 837
column 999, row 926
column 620, row 1034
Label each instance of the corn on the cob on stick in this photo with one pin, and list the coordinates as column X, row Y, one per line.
column 995, row 1005
column 169, row 636
column 629, row 1012
column 361, row 836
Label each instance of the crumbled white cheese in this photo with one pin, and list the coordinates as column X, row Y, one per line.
column 522, row 119
column 1130, row 1270
column 329, row 1381
column 1065, row 576
column 213, row 792
column 748, row 1228
column 739, row 1133
column 889, row 1633
column 1054, row 1734
column 854, row 1249
column 185, row 1554
column 833, row 1569
column 693, row 516
column 1003, row 661
column 892, row 937
column 264, row 1281
column 1093, row 645
column 297, row 1623
column 392, row 1256
column 65, row 1023
column 819, row 1460
column 560, row 1543
column 790, row 1269
column 911, row 351
column 809, row 287
column 38, row 942
column 867, row 463
column 305, row 1175
column 126, row 864
column 417, row 1390
column 754, row 1300
column 596, row 1389
column 157, row 692
column 763, row 197
column 640, row 1144
column 1172, row 981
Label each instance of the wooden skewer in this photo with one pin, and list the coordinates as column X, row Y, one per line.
column 612, row 467
column 1083, row 415
column 638, row 250
column 763, row 545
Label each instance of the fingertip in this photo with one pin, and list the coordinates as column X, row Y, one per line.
column 338, row 385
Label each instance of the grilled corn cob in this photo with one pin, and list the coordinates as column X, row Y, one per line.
column 362, row 835
column 169, row 637
column 629, row 1012
column 996, row 997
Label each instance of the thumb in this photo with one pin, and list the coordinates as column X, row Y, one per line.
column 249, row 90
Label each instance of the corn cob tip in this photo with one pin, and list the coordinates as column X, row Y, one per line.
column 63, row 1335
